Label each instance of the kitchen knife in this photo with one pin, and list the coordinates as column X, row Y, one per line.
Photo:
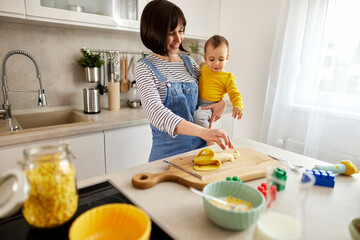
column 184, row 170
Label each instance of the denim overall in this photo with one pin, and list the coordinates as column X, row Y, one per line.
column 181, row 98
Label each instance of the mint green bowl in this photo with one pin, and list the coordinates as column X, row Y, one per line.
column 355, row 234
column 230, row 219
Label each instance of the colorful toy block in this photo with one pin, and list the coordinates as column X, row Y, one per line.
column 279, row 178
column 322, row 178
column 235, row 179
column 263, row 189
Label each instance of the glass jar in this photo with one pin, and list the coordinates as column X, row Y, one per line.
column 53, row 198
column 284, row 218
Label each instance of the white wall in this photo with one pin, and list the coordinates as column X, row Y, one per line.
column 250, row 26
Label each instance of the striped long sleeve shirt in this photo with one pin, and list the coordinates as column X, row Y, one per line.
column 152, row 91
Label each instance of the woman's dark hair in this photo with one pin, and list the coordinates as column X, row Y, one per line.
column 216, row 41
column 158, row 19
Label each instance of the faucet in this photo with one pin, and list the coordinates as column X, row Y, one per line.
column 6, row 111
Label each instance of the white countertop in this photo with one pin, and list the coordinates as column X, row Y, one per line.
column 179, row 212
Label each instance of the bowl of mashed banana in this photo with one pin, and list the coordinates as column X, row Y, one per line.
column 245, row 204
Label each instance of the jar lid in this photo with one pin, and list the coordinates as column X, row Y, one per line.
column 14, row 191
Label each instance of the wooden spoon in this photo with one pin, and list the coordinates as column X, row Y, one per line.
column 125, row 86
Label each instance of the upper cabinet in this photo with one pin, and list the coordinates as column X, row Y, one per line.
column 111, row 14
column 202, row 17
column 12, row 8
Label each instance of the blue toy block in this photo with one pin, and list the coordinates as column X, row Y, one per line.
column 322, row 178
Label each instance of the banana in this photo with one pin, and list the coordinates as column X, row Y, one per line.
column 225, row 156
column 209, row 167
column 208, row 160
column 205, row 157
column 204, row 160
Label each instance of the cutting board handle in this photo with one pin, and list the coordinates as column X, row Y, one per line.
column 148, row 180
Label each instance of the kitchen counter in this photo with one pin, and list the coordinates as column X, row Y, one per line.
column 105, row 120
column 179, row 212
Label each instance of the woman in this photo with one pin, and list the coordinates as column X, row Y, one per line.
column 167, row 85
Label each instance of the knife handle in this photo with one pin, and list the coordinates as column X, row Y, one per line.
column 123, row 68
column 126, row 69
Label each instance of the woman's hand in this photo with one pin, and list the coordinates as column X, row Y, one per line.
column 218, row 136
column 217, row 111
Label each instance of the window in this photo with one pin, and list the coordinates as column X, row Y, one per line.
column 329, row 75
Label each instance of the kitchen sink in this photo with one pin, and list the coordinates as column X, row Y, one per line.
column 49, row 119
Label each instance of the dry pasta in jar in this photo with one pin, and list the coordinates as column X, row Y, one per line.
column 53, row 198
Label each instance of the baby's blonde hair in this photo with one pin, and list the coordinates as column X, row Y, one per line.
column 216, row 41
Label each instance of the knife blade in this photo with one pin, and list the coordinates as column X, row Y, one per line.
column 184, row 170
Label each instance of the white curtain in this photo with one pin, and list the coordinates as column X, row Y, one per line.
column 313, row 97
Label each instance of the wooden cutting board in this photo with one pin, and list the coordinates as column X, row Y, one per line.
column 249, row 166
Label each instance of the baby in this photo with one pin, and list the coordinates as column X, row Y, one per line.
column 215, row 82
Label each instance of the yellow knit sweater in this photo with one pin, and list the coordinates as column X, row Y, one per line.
column 214, row 85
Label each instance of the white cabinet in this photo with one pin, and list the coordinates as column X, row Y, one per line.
column 88, row 150
column 202, row 17
column 12, row 8
column 112, row 14
column 127, row 147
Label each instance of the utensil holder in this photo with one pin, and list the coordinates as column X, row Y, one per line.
column 92, row 75
column 114, row 96
column 91, row 100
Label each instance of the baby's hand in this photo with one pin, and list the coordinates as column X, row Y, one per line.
column 237, row 113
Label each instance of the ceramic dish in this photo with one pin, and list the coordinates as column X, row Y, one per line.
column 355, row 228
column 231, row 219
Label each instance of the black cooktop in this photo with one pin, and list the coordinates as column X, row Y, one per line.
column 16, row 228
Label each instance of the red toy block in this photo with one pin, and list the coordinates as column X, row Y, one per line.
column 263, row 189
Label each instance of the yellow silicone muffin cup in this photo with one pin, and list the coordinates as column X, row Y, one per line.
column 111, row 221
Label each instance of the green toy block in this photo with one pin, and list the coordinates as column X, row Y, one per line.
column 281, row 175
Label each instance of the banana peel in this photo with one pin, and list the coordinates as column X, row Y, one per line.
column 207, row 168
column 208, row 160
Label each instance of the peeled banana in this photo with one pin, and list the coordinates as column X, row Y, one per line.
column 208, row 160
column 226, row 156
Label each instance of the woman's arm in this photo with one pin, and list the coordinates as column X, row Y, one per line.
column 159, row 116
column 217, row 110
column 214, row 135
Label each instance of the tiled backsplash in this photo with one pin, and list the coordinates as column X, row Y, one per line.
column 56, row 50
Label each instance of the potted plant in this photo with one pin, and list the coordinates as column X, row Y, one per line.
column 194, row 48
column 195, row 52
column 91, row 63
